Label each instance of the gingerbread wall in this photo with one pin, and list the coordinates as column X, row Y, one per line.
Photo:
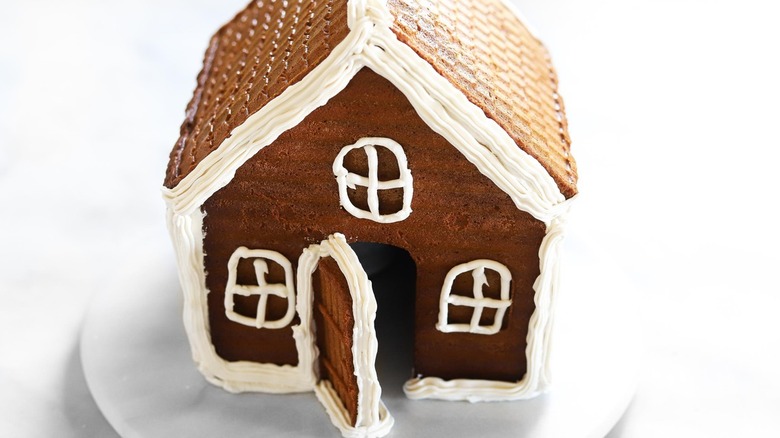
column 286, row 198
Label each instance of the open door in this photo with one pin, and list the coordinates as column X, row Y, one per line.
column 337, row 301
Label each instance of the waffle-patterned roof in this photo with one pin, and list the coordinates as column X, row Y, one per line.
column 267, row 47
column 480, row 46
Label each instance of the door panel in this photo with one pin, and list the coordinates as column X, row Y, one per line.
column 335, row 321
column 337, row 299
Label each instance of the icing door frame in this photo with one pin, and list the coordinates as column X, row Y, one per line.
column 373, row 419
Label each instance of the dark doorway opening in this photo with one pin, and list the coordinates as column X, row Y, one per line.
column 393, row 275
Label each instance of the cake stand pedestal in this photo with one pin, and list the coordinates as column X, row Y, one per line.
column 138, row 367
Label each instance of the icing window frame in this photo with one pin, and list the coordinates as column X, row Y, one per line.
column 347, row 179
column 262, row 289
column 478, row 302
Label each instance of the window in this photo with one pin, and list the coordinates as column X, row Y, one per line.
column 263, row 290
column 371, row 182
column 476, row 303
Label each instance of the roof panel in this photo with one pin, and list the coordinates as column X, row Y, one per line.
column 500, row 66
column 267, row 47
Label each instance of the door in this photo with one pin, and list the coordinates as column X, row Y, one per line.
column 341, row 310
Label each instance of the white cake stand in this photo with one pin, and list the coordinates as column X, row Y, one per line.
column 138, row 367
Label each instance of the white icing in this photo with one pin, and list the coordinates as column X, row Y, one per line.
column 478, row 302
column 339, row 417
column 347, row 179
column 480, row 139
column 537, row 376
column 372, row 420
column 448, row 112
column 440, row 104
column 262, row 289
column 187, row 235
column 263, row 127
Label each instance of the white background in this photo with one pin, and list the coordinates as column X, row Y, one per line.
column 673, row 109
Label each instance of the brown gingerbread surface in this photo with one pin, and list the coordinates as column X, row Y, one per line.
column 251, row 60
column 286, row 198
column 482, row 48
column 478, row 45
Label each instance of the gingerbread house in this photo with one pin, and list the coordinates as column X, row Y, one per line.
column 431, row 126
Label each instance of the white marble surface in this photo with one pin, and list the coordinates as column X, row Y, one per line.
column 672, row 106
